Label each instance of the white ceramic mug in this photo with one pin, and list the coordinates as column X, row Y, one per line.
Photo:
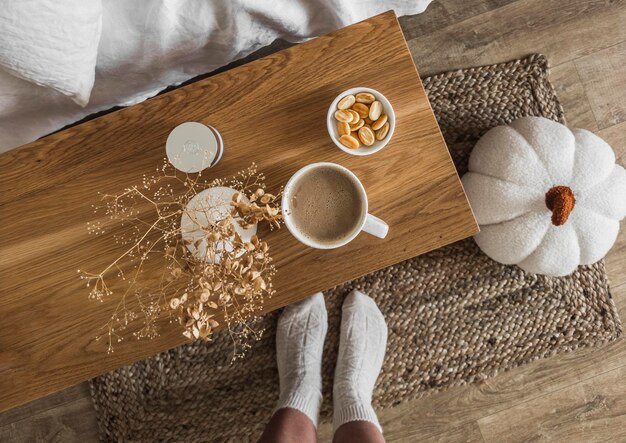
column 367, row 222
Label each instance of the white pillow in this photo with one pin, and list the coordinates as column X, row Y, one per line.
column 52, row 43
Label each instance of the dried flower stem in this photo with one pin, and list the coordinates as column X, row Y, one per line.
column 228, row 283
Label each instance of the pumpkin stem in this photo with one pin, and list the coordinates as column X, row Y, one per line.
column 560, row 200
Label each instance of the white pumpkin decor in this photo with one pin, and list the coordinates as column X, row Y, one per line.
column 546, row 198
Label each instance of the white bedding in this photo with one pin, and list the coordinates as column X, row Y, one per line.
column 147, row 45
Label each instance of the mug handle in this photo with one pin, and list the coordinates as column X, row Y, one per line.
column 375, row 226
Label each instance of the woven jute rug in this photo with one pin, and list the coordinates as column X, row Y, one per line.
column 454, row 315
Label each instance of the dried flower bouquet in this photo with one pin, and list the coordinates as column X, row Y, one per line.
column 227, row 284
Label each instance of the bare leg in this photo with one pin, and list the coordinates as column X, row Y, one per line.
column 358, row 432
column 290, row 426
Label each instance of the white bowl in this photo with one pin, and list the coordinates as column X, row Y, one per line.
column 331, row 123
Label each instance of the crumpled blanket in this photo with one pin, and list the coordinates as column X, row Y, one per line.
column 147, row 45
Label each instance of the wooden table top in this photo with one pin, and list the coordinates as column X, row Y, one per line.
column 271, row 111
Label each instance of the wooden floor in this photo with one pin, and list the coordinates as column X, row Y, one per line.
column 577, row 397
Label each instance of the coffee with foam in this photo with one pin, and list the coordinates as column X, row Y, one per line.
column 326, row 205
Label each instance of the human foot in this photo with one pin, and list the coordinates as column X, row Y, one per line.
column 300, row 338
column 361, row 351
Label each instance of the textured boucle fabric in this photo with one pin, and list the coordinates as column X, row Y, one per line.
column 546, row 198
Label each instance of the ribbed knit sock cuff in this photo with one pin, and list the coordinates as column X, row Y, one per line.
column 355, row 413
column 309, row 404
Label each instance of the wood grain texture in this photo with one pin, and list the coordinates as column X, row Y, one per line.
column 571, row 93
column 405, row 432
column 73, row 422
column 580, row 413
column 271, row 111
column 444, row 13
column 602, row 75
column 64, row 417
column 560, row 30
column 58, row 401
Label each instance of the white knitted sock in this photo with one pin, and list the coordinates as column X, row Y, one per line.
column 300, row 338
column 361, row 351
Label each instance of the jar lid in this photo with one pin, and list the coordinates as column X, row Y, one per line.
column 192, row 147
